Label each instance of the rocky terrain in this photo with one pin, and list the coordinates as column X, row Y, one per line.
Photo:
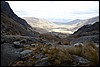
column 23, row 45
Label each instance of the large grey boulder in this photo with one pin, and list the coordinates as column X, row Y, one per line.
column 8, row 54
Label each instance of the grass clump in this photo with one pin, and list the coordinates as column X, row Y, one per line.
column 90, row 52
column 59, row 56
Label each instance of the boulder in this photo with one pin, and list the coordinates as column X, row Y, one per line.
column 42, row 62
column 17, row 44
column 25, row 53
column 78, row 44
column 38, row 56
column 8, row 54
column 34, row 44
column 23, row 41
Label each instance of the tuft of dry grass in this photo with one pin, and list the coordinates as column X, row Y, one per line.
column 90, row 52
column 58, row 56
column 62, row 56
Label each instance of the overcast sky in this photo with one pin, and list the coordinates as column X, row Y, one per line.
column 56, row 9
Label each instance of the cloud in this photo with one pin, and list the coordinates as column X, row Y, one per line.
column 21, row 13
column 56, row 9
column 85, row 12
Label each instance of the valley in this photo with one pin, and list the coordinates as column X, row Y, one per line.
column 68, row 28
column 31, row 41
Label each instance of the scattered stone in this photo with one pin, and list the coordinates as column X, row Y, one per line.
column 23, row 41
column 59, row 43
column 78, row 44
column 34, row 45
column 38, row 56
column 42, row 62
column 25, row 52
column 17, row 44
column 80, row 60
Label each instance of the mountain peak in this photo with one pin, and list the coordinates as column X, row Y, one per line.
column 74, row 21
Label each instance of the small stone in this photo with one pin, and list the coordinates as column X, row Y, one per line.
column 25, row 52
column 42, row 62
column 80, row 60
column 38, row 56
column 17, row 44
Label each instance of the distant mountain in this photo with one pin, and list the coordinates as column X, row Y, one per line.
column 74, row 21
column 85, row 22
column 11, row 24
column 40, row 24
column 58, row 20
column 46, row 26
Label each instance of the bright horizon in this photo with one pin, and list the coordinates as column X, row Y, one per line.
column 69, row 10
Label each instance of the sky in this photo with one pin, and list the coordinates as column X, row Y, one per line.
column 68, row 10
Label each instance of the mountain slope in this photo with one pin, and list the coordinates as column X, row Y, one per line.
column 6, row 8
column 87, row 33
column 74, row 21
column 37, row 22
column 40, row 23
column 84, row 22
column 12, row 24
column 88, row 29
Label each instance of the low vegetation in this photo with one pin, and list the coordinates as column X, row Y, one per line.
column 62, row 56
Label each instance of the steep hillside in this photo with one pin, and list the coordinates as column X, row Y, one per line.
column 85, row 22
column 74, row 21
column 89, row 29
column 12, row 24
column 88, row 33
column 39, row 23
